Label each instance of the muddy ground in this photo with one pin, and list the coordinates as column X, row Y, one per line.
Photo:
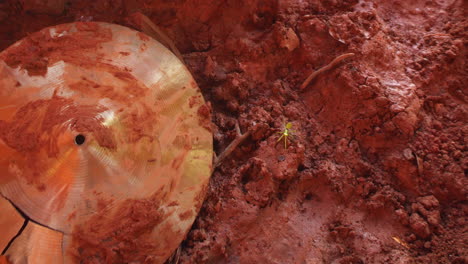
column 376, row 170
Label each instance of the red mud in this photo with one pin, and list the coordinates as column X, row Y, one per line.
column 379, row 153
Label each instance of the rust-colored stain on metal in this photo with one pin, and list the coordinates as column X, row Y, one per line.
column 101, row 148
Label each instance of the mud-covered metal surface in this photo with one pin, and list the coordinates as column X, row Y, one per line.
column 376, row 172
column 103, row 146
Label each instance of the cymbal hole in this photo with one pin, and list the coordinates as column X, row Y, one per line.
column 80, row 139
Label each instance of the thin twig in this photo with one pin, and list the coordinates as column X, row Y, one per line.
column 144, row 24
column 174, row 259
column 401, row 242
column 229, row 149
column 325, row 68
column 437, row 35
column 419, row 164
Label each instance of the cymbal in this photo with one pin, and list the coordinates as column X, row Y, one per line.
column 105, row 138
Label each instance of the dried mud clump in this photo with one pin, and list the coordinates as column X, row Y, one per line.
column 376, row 171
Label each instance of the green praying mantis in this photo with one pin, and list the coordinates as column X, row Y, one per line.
column 285, row 133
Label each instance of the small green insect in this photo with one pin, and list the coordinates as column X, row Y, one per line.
column 287, row 132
